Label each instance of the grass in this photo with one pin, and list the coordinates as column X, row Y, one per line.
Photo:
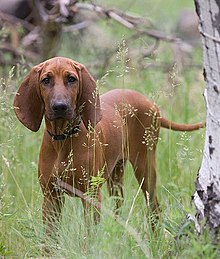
column 178, row 159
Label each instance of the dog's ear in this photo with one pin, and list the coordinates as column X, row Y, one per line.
column 28, row 104
column 88, row 97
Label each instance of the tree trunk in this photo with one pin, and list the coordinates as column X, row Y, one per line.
column 207, row 195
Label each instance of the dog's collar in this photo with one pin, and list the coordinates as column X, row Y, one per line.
column 66, row 134
column 72, row 129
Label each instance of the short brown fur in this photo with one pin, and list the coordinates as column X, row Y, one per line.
column 120, row 125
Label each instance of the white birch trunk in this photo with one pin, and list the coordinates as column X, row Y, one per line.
column 207, row 195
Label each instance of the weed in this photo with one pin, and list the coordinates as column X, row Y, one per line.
column 125, row 236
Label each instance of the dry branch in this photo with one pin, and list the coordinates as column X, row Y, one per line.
column 11, row 19
column 128, row 21
column 61, row 17
column 17, row 53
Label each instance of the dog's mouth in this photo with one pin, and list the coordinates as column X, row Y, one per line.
column 59, row 109
column 56, row 115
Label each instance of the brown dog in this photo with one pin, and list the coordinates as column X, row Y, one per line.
column 86, row 136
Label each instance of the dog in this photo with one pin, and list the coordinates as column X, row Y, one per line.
column 88, row 136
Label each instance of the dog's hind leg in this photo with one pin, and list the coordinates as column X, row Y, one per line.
column 115, row 184
column 145, row 172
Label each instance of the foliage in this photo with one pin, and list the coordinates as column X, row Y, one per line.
column 179, row 97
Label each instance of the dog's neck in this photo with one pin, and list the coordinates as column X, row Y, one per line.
column 56, row 127
column 62, row 129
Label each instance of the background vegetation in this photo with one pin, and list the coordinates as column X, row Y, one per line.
column 179, row 96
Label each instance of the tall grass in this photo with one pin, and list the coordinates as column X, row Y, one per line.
column 130, row 236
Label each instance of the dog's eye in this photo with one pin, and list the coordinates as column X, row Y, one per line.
column 71, row 79
column 46, row 81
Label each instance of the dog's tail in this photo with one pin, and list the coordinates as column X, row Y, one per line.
column 180, row 127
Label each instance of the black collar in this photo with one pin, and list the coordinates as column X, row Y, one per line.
column 66, row 134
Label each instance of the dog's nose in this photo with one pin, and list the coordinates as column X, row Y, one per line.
column 59, row 107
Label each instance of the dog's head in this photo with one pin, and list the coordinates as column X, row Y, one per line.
column 57, row 88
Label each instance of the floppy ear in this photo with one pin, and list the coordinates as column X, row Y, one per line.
column 88, row 97
column 28, row 104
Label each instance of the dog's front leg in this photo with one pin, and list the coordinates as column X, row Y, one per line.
column 92, row 208
column 53, row 202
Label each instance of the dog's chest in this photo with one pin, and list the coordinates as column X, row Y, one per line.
column 79, row 161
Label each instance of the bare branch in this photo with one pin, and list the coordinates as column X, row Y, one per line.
column 127, row 21
column 18, row 53
column 12, row 20
column 62, row 17
column 77, row 27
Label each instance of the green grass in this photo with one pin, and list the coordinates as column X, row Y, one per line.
column 178, row 159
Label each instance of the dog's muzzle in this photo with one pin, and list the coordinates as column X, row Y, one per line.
column 60, row 110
